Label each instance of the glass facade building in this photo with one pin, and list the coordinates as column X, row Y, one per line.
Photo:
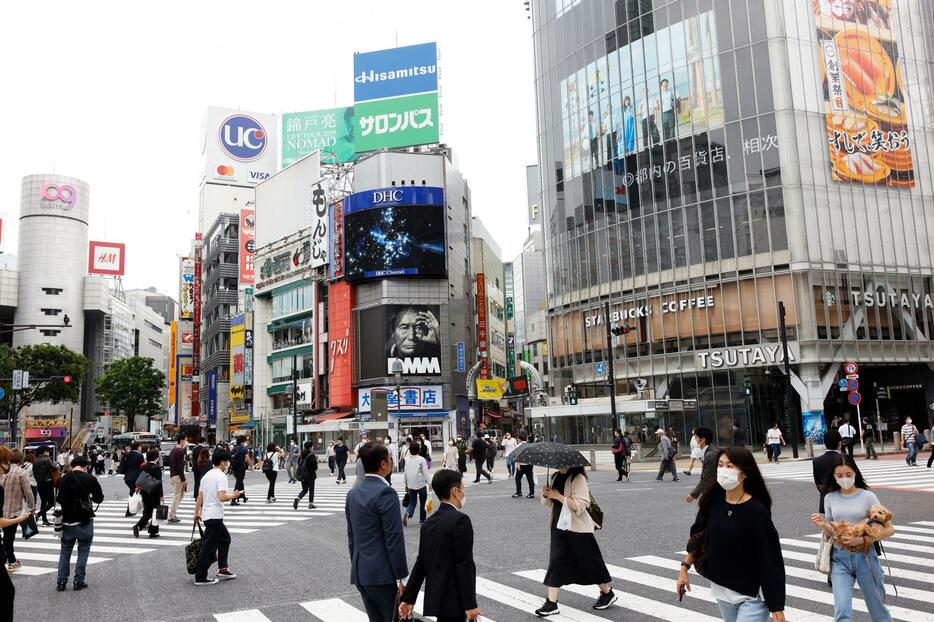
column 703, row 161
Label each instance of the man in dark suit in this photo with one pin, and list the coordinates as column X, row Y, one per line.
column 709, row 462
column 132, row 462
column 823, row 466
column 374, row 535
column 445, row 557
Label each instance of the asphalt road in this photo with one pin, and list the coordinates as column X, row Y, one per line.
column 299, row 561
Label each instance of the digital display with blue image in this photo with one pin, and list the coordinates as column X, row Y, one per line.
column 399, row 240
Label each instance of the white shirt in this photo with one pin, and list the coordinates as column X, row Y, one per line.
column 379, row 477
column 846, row 431
column 773, row 436
column 394, row 453
column 509, row 446
column 416, row 473
column 213, row 482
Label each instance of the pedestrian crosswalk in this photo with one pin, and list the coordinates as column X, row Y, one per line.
column 113, row 530
column 892, row 473
column 645, row 585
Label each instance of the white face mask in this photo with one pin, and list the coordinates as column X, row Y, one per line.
column 846, row 483
column 463, row 498
column 727, row 478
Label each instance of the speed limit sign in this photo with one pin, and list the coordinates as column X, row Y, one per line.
column 851, row 368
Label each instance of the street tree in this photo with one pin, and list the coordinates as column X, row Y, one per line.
column 43, row 361
column 132, row 387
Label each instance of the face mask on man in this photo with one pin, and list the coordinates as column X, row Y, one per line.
column 727, row 478
column 846, row 483
column 463, row 498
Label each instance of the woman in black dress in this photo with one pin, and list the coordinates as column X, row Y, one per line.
column 575, row 556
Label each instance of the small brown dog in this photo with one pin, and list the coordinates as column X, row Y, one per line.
column 871, row 530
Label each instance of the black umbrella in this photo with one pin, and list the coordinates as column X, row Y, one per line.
column 551, row 455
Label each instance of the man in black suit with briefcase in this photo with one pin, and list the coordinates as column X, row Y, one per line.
column 445, row 558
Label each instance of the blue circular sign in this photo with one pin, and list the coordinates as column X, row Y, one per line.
column 852, row 385
column 854, row 398
column 242, row 137
column 2, row 393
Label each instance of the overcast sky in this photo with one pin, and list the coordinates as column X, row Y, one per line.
column 114, row 93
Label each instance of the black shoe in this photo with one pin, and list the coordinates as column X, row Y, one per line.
column 619, row 479
column 233, row 503
column 312, row 506
column 518, row 495
column 476, row 481
column 135, row 531
column 531, row 495
column 79, row 585
column 244, row 499
column 46, row 523
column 675, row 479
column 295, row 504
column 175, row 519
column 153, row 535
column 548, row 609
column 658, row 479
column 61, row 586
column 605, row 601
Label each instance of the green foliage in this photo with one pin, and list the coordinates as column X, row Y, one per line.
column 131, row 387
column 43, row 361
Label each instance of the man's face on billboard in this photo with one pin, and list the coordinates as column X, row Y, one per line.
column 409, row 332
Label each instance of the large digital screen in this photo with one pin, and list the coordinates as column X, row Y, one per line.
column 394, row 232
column 410, row 333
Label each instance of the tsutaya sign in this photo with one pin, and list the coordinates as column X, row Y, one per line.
column 664, row 306
column 746, row 356
column 892, row 299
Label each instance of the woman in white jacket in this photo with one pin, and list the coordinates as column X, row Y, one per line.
column 416, row 483
column 450, row 456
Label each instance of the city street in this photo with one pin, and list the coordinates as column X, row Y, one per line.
column 293, row 565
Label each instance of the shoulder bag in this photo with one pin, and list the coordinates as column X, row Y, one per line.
column 147, row 483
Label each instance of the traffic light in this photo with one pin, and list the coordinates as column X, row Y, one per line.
column 747, row 386
column 64, row 379
column 572, row 395
column 620, row 330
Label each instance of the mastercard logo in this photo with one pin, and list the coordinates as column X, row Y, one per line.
column 225, row 171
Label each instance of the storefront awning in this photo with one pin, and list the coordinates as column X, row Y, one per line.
column 333, row 416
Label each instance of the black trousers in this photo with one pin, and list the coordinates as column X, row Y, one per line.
column 379, row 601
column 524, row 470
column 340, row 470
column 239, row 474
column 47, row 493
column 871, row 449
column 216, row 541
column 481, row 470
column 146, row 517
column 308, row 488
column 271, row 476
column 846, row 445
column 7, row 593
column 9, row 533
column 620, row 461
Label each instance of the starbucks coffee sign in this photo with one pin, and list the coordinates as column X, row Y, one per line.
column 760, row 355
column 650, row 308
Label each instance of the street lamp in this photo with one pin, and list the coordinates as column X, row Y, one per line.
column 397, row 375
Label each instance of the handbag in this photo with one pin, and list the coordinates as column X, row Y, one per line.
column 824, row 553
column 29, row 527
column 405, row 499
column 193, row 549
column 596, row 513
column 56, row 475
column 135, row 504
column 147, row 483
column 162, row 512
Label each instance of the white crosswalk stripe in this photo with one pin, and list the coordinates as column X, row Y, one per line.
column 645, row 586
column 892, row 473
column 113, row 530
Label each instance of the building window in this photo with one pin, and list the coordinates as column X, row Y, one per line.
column 49, row 333
column 52, row 291
column 155, row 344
column 157, row 329
column 51, row 311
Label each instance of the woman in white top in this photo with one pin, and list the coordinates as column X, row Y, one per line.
column 426, row 443
column 416, row 483
column 450, row 456
column 509, row 446
column 271, row 469
column 330, row 455
column 696, row 452
column 774, row 440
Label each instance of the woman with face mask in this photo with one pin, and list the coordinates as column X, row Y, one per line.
column 849, row 499
column 734, row 543
column 450, row 456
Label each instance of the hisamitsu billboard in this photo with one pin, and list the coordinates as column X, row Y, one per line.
column 398, row 71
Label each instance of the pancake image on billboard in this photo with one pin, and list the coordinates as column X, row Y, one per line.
column 864, row 92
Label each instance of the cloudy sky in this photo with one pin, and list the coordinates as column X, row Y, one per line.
column 114, row 93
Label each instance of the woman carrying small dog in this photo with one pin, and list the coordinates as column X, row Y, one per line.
column 854, row 557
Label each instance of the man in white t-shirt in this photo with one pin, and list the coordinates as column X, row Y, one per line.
column 210, row 508
column 847, row 437
column 774, row 439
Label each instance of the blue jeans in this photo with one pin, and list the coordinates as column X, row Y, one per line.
column 753, row 610
column 420, row 495
column 83, row 535
column 912, row 452
column 847, row 568
column 509, row 467
column 776, row 451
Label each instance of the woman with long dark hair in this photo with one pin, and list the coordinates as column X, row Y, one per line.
column 734, row 543
column 574, row 556
column 271, row 469
column 853, row 559
column 202, row 466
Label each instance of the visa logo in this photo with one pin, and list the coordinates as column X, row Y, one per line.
column 259, row 175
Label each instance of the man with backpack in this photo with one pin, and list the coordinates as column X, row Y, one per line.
column 239, row 463
column 42, row 471
column 76, row 492
column 307, row 472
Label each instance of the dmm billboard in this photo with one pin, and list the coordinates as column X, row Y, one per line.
column 410, row 333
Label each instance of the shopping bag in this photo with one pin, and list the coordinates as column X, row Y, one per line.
column 193, row 549
column 29, row 527
column 135, row 504
column 564, row 518
column 162, row 513
column 430, row 506
column 824, row 552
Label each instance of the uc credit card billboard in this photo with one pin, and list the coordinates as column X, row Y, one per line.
column 394, row 72
column 240, row 148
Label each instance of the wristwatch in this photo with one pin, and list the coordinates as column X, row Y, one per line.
column 686, row 565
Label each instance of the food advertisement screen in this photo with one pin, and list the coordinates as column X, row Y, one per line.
column 864, row 92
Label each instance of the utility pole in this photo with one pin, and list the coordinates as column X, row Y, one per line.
column 610, row 370
column 791, row 426
column 295, row 398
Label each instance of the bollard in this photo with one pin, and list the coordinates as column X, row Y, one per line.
column 809, row 446
column 593, row 460
column 897, row 437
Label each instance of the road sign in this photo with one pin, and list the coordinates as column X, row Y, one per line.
column 854, row 398
column 851, row 368
column 2, row 393
column 25, row 379
column 17, row 379
column 842, row 384
column 601, row 368
column 852, row 385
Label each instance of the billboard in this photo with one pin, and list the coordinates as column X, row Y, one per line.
column 336, row 245
column 196, row 335
column 394, row 72
column 106, row 258
column 340, row 344
column 284, row 204
column 173, row 350
column 397, row 122
column 421, row 397
column 239, row 148
column 482, row 337
column 319, row 227
column 247, row 245
column 394, row 232
column 328, row 131
column 186, row 288
column 491, row 389
column 864, row 94
column 212, row 395
column 410, row 333
column 237, row 356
